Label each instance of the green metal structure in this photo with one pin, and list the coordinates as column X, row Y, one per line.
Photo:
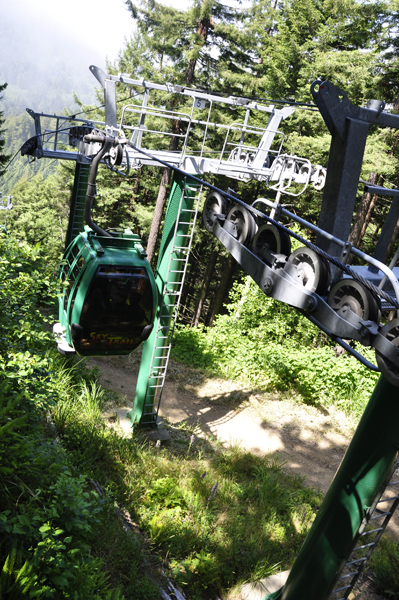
column 78, row 199
column 169, row 276
column 348, row 504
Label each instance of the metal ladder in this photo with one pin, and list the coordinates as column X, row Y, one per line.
column 370, row 531
column 172, row 291
column 78, row 199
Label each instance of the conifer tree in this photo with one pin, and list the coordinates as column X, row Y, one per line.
column 3, row 157
column 184, row 44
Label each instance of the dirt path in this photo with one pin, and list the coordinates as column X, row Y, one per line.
column 310, row 442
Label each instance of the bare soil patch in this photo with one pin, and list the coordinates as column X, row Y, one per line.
column 309, row 442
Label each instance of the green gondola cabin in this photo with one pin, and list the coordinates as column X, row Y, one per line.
column 107, row 296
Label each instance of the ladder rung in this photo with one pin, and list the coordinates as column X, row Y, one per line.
column 372, row 531
column 365, row 546
column 348, row 575
column 393, row 483
column 347, row 587
column 382, row 514
column 387, row 499
column 353, row 562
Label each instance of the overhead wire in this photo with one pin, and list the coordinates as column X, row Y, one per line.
column 61, row 129
column 13, row 158
column 299, row 238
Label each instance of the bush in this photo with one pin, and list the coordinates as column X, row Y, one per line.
column 48, row 512
column 271, row 346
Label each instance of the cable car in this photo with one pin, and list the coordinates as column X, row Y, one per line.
column 108, row 298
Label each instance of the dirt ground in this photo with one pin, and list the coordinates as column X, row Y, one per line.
column 309, row 442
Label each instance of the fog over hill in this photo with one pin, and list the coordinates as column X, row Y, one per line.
column 42, row 67
column 46, row 49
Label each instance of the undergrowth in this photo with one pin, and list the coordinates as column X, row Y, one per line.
column 50, row 514
column 384, row 566
column 217, row 517
column 271, row 346
column 213, row 518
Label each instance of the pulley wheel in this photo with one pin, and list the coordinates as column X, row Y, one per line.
column 215, row 204
column 389, row 370
column 244, row 222
column 321, row 180
column 312, row 269
column 116, row 155
column 270, row 237
column 352, row 294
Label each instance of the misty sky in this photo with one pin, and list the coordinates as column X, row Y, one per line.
column 101, row 25
column 47, row 46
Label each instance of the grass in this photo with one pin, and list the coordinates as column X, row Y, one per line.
column 215, row 517
column 384, row 565
column 268, row 345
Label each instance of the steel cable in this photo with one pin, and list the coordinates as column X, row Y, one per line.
column 370, row 286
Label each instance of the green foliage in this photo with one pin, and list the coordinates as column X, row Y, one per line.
column 384, row 563
column 271, row 346
column 48, row 513
column 216, row 518
column 40, row 214
column 199, row 571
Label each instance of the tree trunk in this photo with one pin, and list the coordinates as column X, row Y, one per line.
column 188, row 293
column 205, row 286
column 203, row 29
column 223, row 287
column 392, row 242
column 357, row 232
column 368, row 218
column 156, row 221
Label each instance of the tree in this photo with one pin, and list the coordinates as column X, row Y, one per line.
column 4, row 158
column 40, row 213
column 182, row 43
